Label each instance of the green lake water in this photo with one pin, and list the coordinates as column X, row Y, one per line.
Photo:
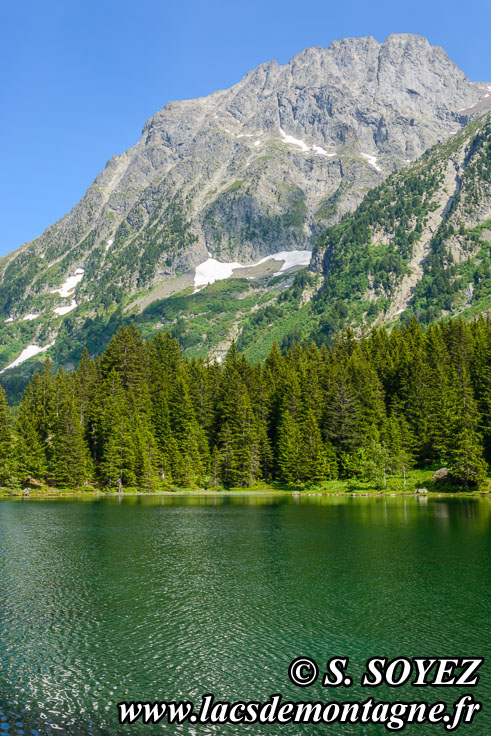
column 162, row 598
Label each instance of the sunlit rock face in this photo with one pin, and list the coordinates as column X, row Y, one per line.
column 258, row 169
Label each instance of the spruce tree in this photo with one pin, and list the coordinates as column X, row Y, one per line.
column 32, row 460
column 398, row 442
column 480, row 370
column 226, row 455
column 313, row 460
column 375, row 463
column 118, row 461
column 8, row 446
column 191, row 452
column 466, row 463
column 365, row 407
column 245, row 443
column 288, row 449
column 70, row 460
column 342, row 414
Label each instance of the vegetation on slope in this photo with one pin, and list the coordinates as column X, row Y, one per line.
column 144, row 415
column 355, row 279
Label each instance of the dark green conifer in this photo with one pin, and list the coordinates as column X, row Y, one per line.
column 289, row 444
column 118, row 456
column 466, row 463
column 8, row 446
column 32, row 459
column 70, row 460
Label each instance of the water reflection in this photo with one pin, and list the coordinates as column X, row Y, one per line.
column 159, row 597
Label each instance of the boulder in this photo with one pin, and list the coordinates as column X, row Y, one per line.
column 440, row 474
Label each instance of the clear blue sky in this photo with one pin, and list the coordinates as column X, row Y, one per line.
column 80, row 77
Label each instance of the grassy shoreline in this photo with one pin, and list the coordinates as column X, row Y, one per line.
column 54, row 494
column 416, row 481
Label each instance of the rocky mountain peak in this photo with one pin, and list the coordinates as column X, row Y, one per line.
column 260, row 168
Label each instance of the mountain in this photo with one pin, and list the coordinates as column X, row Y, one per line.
column 259, row 170
column 417, row 246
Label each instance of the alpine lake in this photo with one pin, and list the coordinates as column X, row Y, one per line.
column 160, row 598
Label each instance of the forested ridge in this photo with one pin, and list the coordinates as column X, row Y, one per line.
column 142, row 415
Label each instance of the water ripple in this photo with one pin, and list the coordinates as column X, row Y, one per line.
column 103, row 602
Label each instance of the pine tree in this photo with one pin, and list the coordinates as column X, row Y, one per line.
column 480, row 370
column 442, row 396
column 398, row 443
column 245, row 444
column 191, row 452
column 313, row 460
column 261, row 401
column 8, row 447
column 289, row 442
column 265, row 450
column 147, row 461
column 342, row 415
column 32, row 461
column 87, row 385
column 215, row 467
column 70, row 461
column 226, row 454
column 374, row 464
column 126, row 355
column 418, row 397
column 368, row 392
column 466, row 463
column 142, row 414
column 165, row 442
column 331, row 460
column 200, row 390
column 39, row 402
column 117, row 466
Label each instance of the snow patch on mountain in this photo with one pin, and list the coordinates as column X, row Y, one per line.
column 29, row 317
column 321, row 151
column 372, row 160
column 291, row 258
column 65, row 310
column 212, row 270
column 69, row 284
column 294, row 141
column 29, row 352
column 301, row 144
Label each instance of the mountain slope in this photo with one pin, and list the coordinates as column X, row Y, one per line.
column 418, row 245
column 258, row 169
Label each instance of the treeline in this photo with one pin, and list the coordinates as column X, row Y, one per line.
column 144, row 415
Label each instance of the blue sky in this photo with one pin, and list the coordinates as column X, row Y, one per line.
column 78, row 78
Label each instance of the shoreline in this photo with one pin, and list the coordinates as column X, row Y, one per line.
column 53, row 494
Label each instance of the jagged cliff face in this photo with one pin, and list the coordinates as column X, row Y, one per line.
column 419, row 244
column 262, row 167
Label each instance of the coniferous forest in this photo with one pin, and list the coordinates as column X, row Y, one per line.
column 142, row 415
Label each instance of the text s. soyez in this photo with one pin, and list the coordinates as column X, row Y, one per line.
column 419, row 671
